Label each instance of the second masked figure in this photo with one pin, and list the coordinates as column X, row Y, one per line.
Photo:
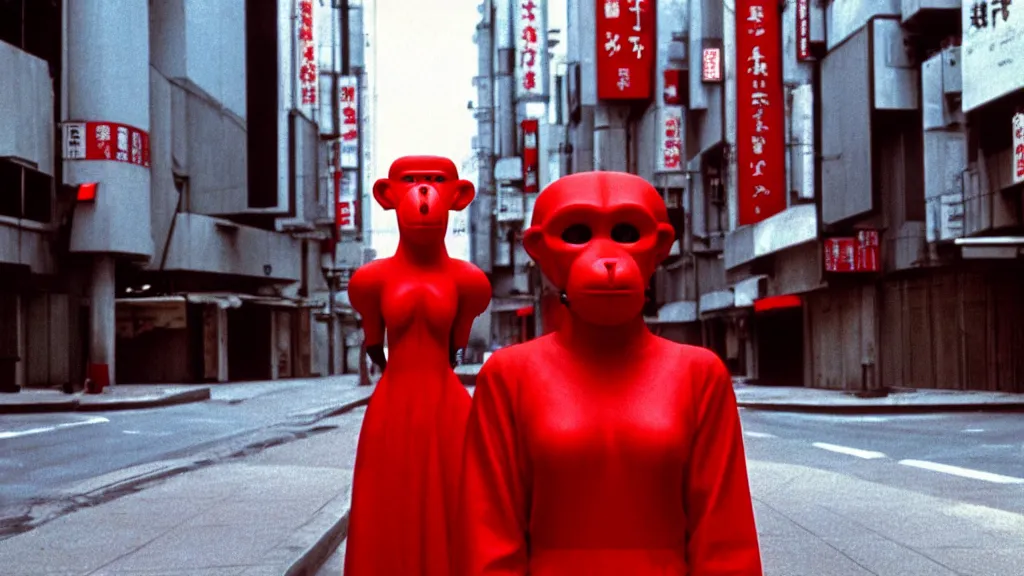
column 406, row 478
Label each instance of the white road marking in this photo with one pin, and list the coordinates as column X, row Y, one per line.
column 759, row 435
column 31, row 431
column 963, row 472
column 865, row 454
column 973, row 430
column 143, row 433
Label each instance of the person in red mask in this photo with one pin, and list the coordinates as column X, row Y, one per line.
column 601, row 449
column 406, row 477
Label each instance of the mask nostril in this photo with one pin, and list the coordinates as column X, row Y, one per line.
column 424, row 209
column 423, row 190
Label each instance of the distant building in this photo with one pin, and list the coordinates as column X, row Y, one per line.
column 846, row 178
column 167, row 186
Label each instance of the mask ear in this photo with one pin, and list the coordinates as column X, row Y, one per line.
column 464, row 194
column 533, row 243
column 381, row 189
column 665, row 235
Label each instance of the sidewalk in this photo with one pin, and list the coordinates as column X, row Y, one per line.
column 280, row 511
column 798, row 399
column 119, row 397
column 812, row 400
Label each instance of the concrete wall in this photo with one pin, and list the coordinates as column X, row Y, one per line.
column 26, row 109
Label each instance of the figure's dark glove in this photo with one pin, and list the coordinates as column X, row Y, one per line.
column 376, row 354
column 454, row 356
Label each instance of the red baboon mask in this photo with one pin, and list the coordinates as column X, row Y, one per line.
column 421, row 190
column 599, row 236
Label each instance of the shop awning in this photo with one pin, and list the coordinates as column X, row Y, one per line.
column 991, row 247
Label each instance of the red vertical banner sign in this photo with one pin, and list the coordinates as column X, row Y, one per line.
column 531, row 162
column 625, row 49
column 803, row 29
column 309, row 76
column 760, row 118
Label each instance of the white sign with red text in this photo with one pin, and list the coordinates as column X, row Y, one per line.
column 348, row 192
column 670, row 139
column 308, row 74
column 348, row 105
column 711, row 65
column 529, row 18
column 1018, row 147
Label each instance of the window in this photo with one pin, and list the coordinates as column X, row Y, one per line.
column 25, row 193
column 33, row 26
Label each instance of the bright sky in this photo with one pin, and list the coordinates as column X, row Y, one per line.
column 426, row 61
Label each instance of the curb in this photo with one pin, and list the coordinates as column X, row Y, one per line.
column 881, row 409
column 99, row 405
column 314, row 557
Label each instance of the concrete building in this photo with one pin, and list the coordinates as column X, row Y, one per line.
column 166, row 190
column 845, row 177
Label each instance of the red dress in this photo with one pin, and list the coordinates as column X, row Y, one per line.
column 606, row 464
column 406, row 475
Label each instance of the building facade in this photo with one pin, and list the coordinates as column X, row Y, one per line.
column 167, row 188
column 845, row 177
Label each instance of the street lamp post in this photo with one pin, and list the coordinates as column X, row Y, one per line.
column 331, row 276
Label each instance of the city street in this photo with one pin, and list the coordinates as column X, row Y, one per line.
column 48, row 456
column 893, row 495
column 856, row 496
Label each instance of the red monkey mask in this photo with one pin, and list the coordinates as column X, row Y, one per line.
column 421, row 190
column 598, row 237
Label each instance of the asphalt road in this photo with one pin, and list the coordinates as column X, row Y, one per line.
column 894, row 495
column 42, row 455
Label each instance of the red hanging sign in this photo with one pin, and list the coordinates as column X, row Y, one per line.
column 673, row 87
column 531, row 161
column 625, row 49
column 106, row 141
column 853, row 253
column 760, row 131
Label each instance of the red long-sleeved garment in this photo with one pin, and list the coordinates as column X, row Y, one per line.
column 577, row 470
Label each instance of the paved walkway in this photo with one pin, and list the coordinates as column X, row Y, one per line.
column 120, row 397
column 280, row 511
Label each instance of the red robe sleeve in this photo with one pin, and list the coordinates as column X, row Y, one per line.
column 494, row 496
column 722, row 536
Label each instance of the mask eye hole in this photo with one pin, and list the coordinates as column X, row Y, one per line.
column 577, row 234
column 439, row 179
column 408, row 179
column 625, row 234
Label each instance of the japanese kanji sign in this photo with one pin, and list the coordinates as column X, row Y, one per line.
column 348, row 105
column 760, row 126
column 530, row 29
column 625, row 49
column 670, row 139
column 307, row 72
column 803, row 29
column 992, row 52
column 852, row 253
column 1018, row 147
column 711, row 65
column 106, row 141
column 531, row 157
column 345, row 207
